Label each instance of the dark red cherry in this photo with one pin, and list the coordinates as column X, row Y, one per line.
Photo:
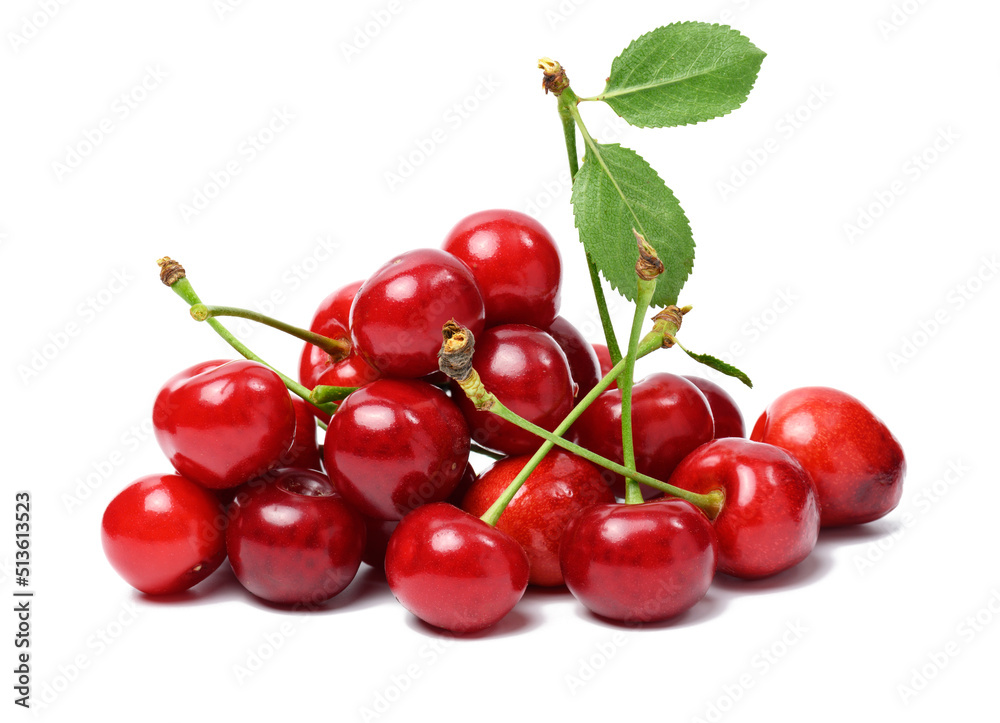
column 604, row 361
column 528, row 372
column 856, row 463
column 670, row 418
column 583, row 363
column 454, row 571
column 559, row 488
column 294, row 539
column 398, row 312
column 770, row 519
column 394, row 445
column 725, row 412
column 639, row 563
column 516, row 264
column 304, row 451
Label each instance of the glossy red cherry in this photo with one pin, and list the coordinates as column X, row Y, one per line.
column 377, row 539
column 852, row 457
column 454, row 571
column 394, row 445
column 583, row 363
column 604, row 361
column 725, row 411
column 639, row 563
column 304, row 452
column 294, row 539
column 163, row 534
column 336, row 306
column 398, row 312
column 770, row 519
column 516, row 264
column 670, row 418
column 559, row 488
column 527, row 371
column 222, row 423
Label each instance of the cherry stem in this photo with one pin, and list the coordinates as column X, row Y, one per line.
column 323, row 393
column 554, row 79
column 633, row 495
column 710, row 504
column 338, row 349
column 173, row 275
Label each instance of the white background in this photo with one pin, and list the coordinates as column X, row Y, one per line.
column 882, row 105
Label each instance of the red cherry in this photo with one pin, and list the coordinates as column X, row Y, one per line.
column 294, row 539
column 454, row 571
column 725, row 412
column 336, row 306
column 377, row 538
column 163, row 534
column 394, row 445
column 852, row 457
column 527, row 371
column 304, row 451
column 583, row 363
column 639, row 563
column 516, row 264
column 222, row 423
column 469, row 478
column 604, row 361
column 770, row 519
column 670, row 418
column 559, row 488
column 398, row 312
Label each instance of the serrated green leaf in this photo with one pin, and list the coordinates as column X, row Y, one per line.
column 718, row 365
column 682, row 73
column 616, row 191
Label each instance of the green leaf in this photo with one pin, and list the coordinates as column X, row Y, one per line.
column 616, row 191
column 682, row 73
column 717, row 364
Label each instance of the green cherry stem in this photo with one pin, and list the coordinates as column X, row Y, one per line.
column 338, row 349
column 554, row 80
column 172, row 274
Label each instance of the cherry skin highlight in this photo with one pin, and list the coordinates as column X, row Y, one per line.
column 558, row 489
column 398, row 312
column 516, row 264
column 294, row 539
column 223, row 423
column 394, row 445
column 527, row 371
column 454, row 571
column 639, row 563
column 770, row 519
column 725, row 411
column 856, row 463
column 164, row 534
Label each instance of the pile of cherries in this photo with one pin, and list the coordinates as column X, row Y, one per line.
column 391, row 484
